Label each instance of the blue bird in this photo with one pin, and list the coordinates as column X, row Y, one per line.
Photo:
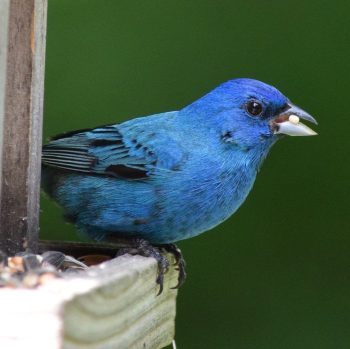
column 152, row 181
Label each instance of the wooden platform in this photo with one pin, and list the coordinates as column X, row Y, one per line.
column 113, row 305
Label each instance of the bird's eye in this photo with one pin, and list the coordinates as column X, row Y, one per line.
column 254, row 108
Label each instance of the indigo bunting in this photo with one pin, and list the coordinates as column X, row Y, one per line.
column 155, row 180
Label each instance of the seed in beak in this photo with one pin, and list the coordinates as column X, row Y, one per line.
column 294, row 119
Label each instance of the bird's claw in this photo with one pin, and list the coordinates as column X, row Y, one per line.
column 179, row 262
column 144, row 248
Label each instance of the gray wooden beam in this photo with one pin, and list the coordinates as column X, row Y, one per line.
column 22, row 62
column 112, row 305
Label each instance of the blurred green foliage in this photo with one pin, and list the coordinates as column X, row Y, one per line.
column 277, row 273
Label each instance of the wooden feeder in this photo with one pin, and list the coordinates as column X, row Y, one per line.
column 111, row 305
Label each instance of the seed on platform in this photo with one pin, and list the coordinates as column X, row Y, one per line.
column 46, row 277
column 30, row 280
column 16, row 264
column 31, row 261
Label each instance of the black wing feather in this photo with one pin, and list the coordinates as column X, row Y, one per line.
column 99, row 151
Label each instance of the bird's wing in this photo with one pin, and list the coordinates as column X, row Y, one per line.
column 132, row 153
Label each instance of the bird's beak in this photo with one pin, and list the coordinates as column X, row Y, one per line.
column 287, row 122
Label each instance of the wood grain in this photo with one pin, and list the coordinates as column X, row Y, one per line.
column 113, row 305
column 21, row 119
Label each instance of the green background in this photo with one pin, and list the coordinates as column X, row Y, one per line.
column 277, row 274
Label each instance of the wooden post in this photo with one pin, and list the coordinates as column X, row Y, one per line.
column 112, row 305
column 22, row 58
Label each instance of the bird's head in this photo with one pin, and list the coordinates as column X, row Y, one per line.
column 249, row 113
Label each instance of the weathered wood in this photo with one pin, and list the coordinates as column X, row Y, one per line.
column 113, row 305
column 22, row 57
column 77, row 248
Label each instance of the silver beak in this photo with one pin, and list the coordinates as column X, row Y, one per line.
column 288, row 122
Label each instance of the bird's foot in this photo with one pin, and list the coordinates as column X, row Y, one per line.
column 144, row 248
column 179, row 262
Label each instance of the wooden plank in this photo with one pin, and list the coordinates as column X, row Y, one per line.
column 21, row 106
column 113, row 305
column 78, row 248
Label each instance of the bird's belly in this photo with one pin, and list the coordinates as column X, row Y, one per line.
column 159, row 212
column 192, row 210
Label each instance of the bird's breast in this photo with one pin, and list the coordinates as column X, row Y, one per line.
column 199, row 201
